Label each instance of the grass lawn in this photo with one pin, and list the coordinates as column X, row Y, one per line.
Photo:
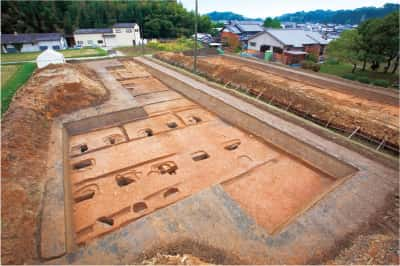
column 14, row 82
column 178, row 45
column 341, row 69
column 7, row 72
column 69, row 53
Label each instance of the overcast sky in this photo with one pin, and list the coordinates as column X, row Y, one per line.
column 269, row 8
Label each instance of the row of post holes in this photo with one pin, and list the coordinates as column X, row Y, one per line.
column 147, row 132
column 137, row 207
column 197, row 156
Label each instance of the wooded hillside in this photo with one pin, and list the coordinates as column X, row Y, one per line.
column 159, row 19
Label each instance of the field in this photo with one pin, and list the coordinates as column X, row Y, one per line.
column 178, row 45
column 12, row 78
column 343, row 69
column 70, row 53
column 8, row 72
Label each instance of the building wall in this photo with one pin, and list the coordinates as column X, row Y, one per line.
column 123, row 37
column 127, row 36
column 89, row 39
column 231, row 39
column 313, row 49
column 255, row 43
column 39, row 46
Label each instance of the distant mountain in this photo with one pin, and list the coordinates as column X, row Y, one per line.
column 355, row 16
column 217, row 16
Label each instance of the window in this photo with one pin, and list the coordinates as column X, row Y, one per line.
column 90, row 41
column 80, row 42
column 253, row 44
column 100, row 41
column 128, row 30
column 42, row 48
column 118, row 31
column 56, row 47
column 136, row 30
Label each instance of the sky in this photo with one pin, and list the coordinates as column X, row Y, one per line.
column 269, row 8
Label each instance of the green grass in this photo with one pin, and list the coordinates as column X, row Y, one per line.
column 341, row 69
column 14, row 83
column 7, row 72
column 69, row 53
column 178, row 45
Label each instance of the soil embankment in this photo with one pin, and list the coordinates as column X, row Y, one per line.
column 341, row 110
column 26, row 128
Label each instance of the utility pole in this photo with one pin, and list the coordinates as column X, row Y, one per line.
column 195, row 40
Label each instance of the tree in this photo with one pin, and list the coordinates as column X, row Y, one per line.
column 346, row 48
column 272, row 23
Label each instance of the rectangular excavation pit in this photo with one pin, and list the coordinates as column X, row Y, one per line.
column 271, row 175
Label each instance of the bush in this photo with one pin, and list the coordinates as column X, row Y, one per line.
column 364, row 80
column 381, row 83
column 349, row 76
column 316, row 67
column 332, row 61
column 310, row 65
column 312, row 58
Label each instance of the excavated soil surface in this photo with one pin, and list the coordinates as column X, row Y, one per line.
column 343, row 110
column 121, row 174
column 50, row 92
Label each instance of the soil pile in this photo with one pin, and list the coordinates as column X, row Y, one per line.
column 342, row 110
column 26, row 128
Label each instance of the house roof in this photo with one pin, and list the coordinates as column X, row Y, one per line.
column 249, row 27
column 29, row 37
column 92, row 31
column 294, row 37
column 239, row 27
column 124, row 25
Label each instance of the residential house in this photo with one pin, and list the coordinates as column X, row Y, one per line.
column 32, row 42
column 120, row 34
column 237, row 33
column 289, row 46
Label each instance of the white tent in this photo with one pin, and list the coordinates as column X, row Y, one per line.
column 49, row 57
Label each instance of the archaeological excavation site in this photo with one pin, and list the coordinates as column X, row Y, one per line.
column 118, row 161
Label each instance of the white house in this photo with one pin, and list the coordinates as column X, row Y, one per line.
column 49, row 57
column 32, row 42
column 121, row 34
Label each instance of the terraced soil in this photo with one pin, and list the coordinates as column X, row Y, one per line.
column 341, row 109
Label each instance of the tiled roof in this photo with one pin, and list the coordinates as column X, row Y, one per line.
column 293, row 37
column 29, row 37
column 92, row 31
column 124, row 25
column 249, row 27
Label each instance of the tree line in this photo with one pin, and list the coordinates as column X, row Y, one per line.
column 158, row 19
column 375, row 41
column 355, row 16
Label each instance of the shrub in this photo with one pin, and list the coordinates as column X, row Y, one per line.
column 349, row 76
column 332, row 61
column 310, row 65
column 364, row 80
column 312, row 58
column 381, row 82
column 316, row 67
column 306, row 64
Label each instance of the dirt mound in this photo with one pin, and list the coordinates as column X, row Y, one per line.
column 26, row 128
column 342, row 110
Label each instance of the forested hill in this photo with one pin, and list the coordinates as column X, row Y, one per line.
column 217, row 16
column 159, row 19
column 355, row 16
